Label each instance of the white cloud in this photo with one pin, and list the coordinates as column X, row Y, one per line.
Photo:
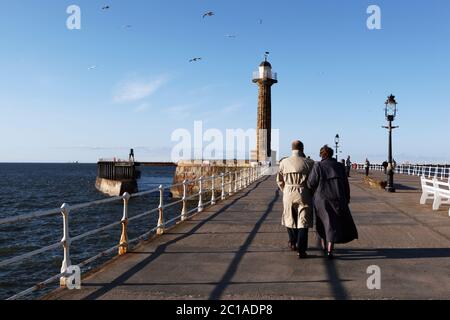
column 137, row 90
column 142, row 107
column 180, row 111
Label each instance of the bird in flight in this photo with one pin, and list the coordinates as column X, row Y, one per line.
column 127, row 26
column 105, row 7
column 92, row 67
column 195, row 59
column 208, row 14
column 260, row 21
column 231, row 36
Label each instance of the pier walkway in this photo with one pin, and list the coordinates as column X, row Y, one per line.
column 238, row 250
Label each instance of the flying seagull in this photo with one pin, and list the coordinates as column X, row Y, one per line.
column 260, row 21
column 232, row 36
column 92, row 67
column 208, row 14
column 195, row 59
column 127, row 26
column 105, row 7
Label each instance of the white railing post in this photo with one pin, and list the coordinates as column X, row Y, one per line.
column 65, row 241
column 184, row 209
column 241, row 177
column 222, row 176
column 236, row 181
column 200, row 195
column 160, row 229
column 448, row 176
column 123, row 244
column 213, row 190
column 230, row 187
column 245, row 178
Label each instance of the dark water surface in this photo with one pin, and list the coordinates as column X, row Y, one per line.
column 26, row 188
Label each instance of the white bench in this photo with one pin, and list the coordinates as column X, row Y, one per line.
column 436, row 190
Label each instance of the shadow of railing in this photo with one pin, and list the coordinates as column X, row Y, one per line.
column 161, row 249
column 232, row 268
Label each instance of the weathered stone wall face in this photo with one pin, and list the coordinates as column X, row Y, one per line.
column 191, row 171
column 116, row 188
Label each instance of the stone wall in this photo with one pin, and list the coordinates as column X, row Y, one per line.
column 116, row 188
column 190, row 170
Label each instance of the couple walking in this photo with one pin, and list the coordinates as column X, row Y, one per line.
column 322, row 188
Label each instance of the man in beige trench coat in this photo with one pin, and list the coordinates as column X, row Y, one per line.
column 297, row 198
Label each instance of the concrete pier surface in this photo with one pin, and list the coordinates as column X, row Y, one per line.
column 238, row 250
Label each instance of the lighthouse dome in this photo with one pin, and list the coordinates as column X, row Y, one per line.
column 265, row 64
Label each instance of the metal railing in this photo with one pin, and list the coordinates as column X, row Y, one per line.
column 218, row 187
column 436, row 171
column 257, row 75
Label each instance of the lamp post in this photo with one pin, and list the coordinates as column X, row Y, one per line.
column 390, row 111
column 336, row 142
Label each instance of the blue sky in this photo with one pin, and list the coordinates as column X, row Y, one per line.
column 334, row 75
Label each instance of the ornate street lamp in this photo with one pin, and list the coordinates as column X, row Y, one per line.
column 390, row 111
column 336, row 142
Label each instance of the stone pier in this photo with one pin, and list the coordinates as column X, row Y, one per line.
column 238, row 250
column 114, row 178
column 193, row 169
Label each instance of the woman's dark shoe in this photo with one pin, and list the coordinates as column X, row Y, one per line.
column 302, row 255
column 330, row 255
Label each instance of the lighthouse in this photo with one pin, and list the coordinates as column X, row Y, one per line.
column 265, row 78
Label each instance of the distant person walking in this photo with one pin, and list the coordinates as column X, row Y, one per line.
column 367, row 167
column 348, row 166
column 329, row 183
column 297, row 199
column 385, row 166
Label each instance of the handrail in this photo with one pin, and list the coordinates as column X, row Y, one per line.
column 235, row 181
column 438, row 171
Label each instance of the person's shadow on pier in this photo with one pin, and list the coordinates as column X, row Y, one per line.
column 404, row 187
column 392, row 253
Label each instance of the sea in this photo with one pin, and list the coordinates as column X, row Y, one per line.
column 27, row 188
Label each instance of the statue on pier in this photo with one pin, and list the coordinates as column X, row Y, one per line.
column 131, row 156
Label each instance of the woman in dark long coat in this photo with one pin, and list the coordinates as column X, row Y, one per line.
column 329, row 182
